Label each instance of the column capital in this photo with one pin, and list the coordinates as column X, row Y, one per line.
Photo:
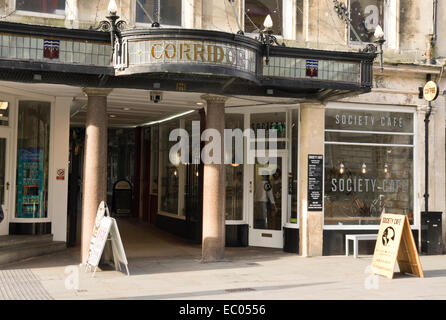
column 314, row 105
column 213, row 98
column 98, row 92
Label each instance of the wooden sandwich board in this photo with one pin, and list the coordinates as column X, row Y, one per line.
column 105, row 228
column 395, row 243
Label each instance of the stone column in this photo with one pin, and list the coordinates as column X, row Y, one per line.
column 94, row 186
column 213, row 242
column 312, row 123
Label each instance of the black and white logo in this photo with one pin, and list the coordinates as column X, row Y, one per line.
column 388, row 236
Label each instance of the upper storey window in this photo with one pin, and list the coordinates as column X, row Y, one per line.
column 41, row 6
column 167, row 11
column 366, row 15
column 257, row 10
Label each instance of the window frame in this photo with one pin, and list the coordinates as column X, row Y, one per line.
column 390, row 25
column 146, row 24
column 22, row 12
column 416, row 178
column 288, row 16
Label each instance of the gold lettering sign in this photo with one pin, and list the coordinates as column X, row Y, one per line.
column 191, row 51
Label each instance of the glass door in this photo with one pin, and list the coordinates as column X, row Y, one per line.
column 268, row 197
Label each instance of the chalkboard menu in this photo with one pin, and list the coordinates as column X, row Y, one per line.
column 315, row 166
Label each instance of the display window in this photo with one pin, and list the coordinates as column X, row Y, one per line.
column 33, row 140
column 369, row 166
column 234, row 173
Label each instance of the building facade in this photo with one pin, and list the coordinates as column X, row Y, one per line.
column 349, row 146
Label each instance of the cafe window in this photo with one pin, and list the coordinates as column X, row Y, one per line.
column 365, row 16
column 169, row 11
column 257, row 10
column 33, row 148
column 42, row 6
column 368, row 166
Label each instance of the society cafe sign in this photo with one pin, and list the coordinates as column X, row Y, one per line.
column 395, row 243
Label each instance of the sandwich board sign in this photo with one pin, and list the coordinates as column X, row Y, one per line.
column 105, row 228
column 395, row 243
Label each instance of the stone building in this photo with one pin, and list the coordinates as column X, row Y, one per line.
column 349, row 128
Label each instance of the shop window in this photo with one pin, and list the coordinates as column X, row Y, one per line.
column 293, row 190
column 234, row 173
column 121, row 158
column 192, row 191
column 42, row 6
column 154, row 142
column 368, row 166
column 366, row 15
column 169, row 173
column 4, row 113
column 33, row 146
column 257, row 10
column 269, row 121
column 169, row 11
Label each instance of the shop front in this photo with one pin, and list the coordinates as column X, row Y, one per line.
column 32, row 174
column 240, row 82
column 369, row 169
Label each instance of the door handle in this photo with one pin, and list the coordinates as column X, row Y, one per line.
column 7, row 185
column 250, row 186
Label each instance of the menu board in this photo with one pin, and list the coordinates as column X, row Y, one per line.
column 315, row 166
column 30, row 193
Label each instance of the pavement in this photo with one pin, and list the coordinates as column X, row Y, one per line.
column 165, row 267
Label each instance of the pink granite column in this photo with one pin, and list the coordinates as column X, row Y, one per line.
column 213, row 242
column 94, row 186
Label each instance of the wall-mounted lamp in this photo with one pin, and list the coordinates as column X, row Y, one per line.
column 267, row 38
column 112, row 25
column 364, row 168
column 386, row 168
column 341, row 168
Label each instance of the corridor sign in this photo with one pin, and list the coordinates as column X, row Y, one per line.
column 395, row 243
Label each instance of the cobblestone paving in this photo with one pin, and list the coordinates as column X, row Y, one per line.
column 21, row 284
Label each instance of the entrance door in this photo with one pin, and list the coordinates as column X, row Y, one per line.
column 4, row 182
column 268, row 198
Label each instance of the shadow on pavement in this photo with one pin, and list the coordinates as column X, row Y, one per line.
column 222, row 292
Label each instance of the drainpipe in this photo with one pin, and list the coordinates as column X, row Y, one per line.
column 433, row 36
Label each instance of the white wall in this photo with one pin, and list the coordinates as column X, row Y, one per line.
column 58, row 189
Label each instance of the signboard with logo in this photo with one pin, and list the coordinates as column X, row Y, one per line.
column 430, row 91
column 395, row 243
column 105, row 226
column 315, row 167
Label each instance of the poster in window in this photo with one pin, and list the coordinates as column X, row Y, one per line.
column 30, row 183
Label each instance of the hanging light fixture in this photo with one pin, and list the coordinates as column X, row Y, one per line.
column 341, row 168
column 364, row 168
